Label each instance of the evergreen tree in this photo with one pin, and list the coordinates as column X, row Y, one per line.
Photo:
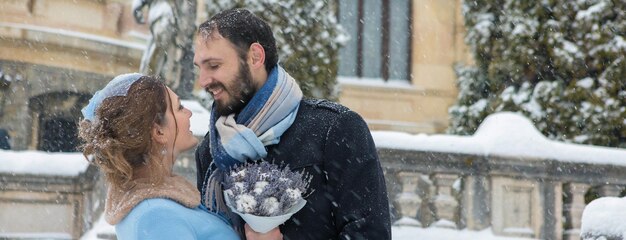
column 559, row 62
column 307, row 39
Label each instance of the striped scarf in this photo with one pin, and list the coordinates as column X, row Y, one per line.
column 237, row 139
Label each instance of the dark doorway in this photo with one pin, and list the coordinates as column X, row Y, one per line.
column 59, row 135
column 55, row 120
column 4, row 139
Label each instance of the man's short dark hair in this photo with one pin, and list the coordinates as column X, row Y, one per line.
column 242, row 28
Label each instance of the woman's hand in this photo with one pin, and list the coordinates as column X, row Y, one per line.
column 273, row 234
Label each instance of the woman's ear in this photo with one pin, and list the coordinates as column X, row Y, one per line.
column 256, row 56
column 158, row 134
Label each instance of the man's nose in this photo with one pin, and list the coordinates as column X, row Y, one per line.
column 204, row 79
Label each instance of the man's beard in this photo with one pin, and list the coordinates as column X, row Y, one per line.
column 241, row 91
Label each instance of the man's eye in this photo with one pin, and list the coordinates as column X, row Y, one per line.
column 214, row 66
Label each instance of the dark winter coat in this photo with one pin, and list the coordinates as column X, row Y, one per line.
column 334, row 145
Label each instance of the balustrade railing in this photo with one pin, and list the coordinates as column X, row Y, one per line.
column 526, row 197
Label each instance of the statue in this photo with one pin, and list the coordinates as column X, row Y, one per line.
column 169, row 53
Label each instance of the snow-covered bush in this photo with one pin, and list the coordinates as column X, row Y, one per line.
column 307, row 38
column 561, row 63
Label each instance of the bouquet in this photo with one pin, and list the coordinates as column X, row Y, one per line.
column 264, row 195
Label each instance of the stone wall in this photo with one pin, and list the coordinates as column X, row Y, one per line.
column 60, row 52
column 35, row 206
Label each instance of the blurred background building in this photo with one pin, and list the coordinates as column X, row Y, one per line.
column 53, row 56
column 396, row 69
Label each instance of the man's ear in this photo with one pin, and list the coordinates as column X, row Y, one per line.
column 158, row 134
column 256, row 56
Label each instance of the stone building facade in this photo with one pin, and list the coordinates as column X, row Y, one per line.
column 55, row 53
column 416, row 101
column 53, row 56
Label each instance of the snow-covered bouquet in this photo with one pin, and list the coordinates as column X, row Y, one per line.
column 265, row 195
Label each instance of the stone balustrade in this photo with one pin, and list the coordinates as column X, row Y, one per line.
column 536, row 198
column 514, row 196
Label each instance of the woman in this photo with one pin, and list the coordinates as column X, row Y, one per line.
column 133, row 130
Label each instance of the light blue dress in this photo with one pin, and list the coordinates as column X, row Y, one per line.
column 159, row 218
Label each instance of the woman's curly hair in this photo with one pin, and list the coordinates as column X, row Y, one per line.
column 120, row 140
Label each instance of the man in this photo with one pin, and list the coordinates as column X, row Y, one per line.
column 237, row 61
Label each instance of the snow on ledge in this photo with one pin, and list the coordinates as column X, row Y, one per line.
column 376, row 82
column 41, row 235
column 503, row 134
column 42, row 163
column 605, row 216
column 75, row 34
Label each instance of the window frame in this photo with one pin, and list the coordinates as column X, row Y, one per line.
column 385, row 21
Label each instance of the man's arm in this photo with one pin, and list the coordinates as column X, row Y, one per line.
column 355, row 180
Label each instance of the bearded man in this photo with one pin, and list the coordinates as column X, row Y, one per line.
column 259, row 114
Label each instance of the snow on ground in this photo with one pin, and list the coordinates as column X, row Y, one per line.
column 412, row 233
column 398, row 233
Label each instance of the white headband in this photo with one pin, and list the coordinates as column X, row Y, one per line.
column 117, row 87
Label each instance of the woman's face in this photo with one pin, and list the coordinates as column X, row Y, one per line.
column 177, row 127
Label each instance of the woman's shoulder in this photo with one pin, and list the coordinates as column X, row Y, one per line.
column 149, row 214
column 160, row 206
column 165, row 209
column 160, row 217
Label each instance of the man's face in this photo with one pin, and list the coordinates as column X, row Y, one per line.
column 223, row 74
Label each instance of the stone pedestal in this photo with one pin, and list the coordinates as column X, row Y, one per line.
column 408, row 201
column 444, row 202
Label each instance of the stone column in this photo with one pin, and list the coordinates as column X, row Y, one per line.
column 407, row 201
column 573, row 209
column 475, row 210
column 552, row 205
column 444, row 203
